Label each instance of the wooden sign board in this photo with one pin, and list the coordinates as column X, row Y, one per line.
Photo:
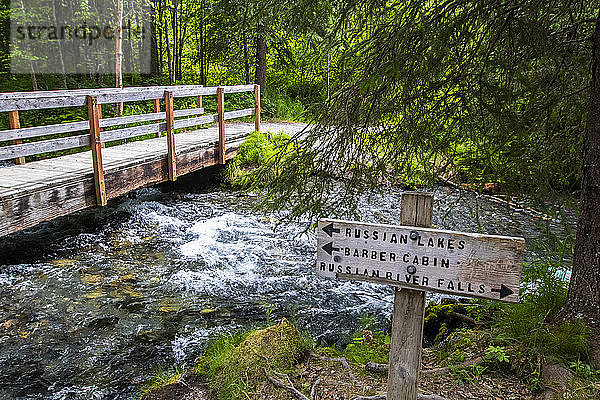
column 462, row 264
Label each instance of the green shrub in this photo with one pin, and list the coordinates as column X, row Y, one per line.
column 531, row 329
column 281, row 107
column 256, row 151
column 368, row 346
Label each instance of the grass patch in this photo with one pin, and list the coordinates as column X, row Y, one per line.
column 257, row 150
column 160, row 378
column 236, row 366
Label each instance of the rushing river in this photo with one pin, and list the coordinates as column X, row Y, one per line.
column 93, row 303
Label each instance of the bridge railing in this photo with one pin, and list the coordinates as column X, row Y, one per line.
column 162, row 121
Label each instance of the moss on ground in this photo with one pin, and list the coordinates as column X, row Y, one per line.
column 237, row 366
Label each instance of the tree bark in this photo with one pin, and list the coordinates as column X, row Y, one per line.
column 583, row 299
column 261, row 58
column 246, row 61
column 119, row 54
column 175, row 33
column 168, row 50
column 154, row 65
column 60, row 50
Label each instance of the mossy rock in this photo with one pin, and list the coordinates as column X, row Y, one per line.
column 237, row 372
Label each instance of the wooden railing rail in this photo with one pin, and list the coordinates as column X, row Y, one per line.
column 20, row 101
column 169, row 121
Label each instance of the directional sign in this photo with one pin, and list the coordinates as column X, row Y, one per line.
column 463, row 264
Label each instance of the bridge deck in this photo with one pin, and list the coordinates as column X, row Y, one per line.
column 39, row 191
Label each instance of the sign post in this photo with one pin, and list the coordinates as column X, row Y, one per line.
column 415, row 258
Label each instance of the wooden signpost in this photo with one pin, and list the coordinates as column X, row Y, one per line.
column 415, row 258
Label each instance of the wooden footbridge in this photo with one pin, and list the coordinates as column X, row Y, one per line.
column 109, row 163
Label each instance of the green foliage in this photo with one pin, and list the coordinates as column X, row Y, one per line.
column 476, row 91
column 258, row 149
column 467, row 375
column 162, row 377
column 368, row 346
column 496, row 354
column 531, row 330
column 524, row 335
column 281, row 107
column 584, row 370
column 236, row 365
column 532, row 323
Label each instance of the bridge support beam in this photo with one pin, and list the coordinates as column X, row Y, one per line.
column 96, row 145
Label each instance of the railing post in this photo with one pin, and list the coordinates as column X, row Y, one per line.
column 156, row 106
column 13, row 119
column 257, row 108
column 100, row 117
column 96, row 145
column 221, row 120
column 171, row 157
column 199, row 101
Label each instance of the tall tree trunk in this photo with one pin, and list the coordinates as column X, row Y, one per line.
column 202, row 50
column 182, row 35
column 34, row 84
column 204, row 53
column 261, row 58
column 60, row 50
column 168, row 50
column 119, row 53
column 246, row 61
column 174, row 26
column 161, row 63
column 583, row 299
column 154, row 65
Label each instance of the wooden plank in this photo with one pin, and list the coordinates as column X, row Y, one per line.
column 76, row 160
column 409, row 311
column 171, row 158
column 59, row 144
column 239, row 113
column 187, row 112
column 57, row 170
column 462, row 264
column 37, row 131
column 46, row 146
column 238, row 88
column 90, row 92
column 23, row 209
column 30, row 174
column 131, row 119
column 96, row 145
column 124, row 133
column 75, row 98
column 204, row 119
column 13, row 119
column 221, row 121
column 257, row 108
column 156, row 107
